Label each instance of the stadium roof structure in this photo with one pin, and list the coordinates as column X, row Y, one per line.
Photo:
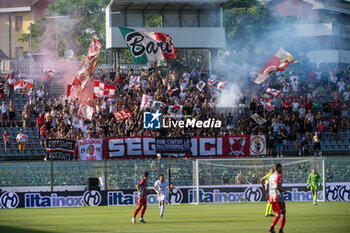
column 191, row 23
column 165, row 5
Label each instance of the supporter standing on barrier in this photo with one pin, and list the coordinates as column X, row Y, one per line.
column 142, row 198
column 274, row 187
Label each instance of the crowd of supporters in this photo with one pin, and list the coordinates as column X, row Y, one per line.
column 311, row 103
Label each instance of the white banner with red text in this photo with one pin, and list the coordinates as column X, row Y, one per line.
column 90, row 149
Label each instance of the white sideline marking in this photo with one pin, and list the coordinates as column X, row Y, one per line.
column 228, row 228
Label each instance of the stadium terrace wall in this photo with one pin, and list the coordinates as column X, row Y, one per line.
column 185, row 194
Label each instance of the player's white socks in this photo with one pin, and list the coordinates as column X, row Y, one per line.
column 161, row 210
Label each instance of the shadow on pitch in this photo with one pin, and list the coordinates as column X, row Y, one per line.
column 10, row 229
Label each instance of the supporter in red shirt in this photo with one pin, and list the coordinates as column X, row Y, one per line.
column 40, row 122
column 336, row 108
column 10, row 75
column 7, row 140
column 308, row 105
column 321, row 128
column 286, row 106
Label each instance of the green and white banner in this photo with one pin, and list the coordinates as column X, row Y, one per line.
column 148, row 46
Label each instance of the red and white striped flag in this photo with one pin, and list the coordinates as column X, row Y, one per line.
column 279, row 61
column 27, row 83
column 273, row 92
column 103, row 90
column 122, row 115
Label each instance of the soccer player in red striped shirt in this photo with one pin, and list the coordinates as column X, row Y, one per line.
column 142, row 198
column 274, row 186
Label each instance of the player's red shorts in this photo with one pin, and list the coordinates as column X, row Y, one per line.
column 141, row 202
column 279, row 207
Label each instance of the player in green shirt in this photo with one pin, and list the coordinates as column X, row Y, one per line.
column 263, row 181
column 312, row 184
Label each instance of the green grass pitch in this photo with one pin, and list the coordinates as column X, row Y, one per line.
column 330, row 217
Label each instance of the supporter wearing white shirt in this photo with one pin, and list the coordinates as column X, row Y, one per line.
column 11, row 81
column 3, row 108
column 3, row 113
column 333, row 79
column 21, row 140
column 295, row 106
column 294, row 78
column 346, row 94
column 40, row 93
column 213, row 76
column 21, row 75
column 186, row 75
column 341, row 86
column 302, row 111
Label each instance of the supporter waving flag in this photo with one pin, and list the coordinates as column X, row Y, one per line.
column 135, row 82
column 219, row 85
column 273, row 92
column 278, row 62
column 146, row 46
column 175, row 111
column 88, row 65
column 200, row 85
column 145, row 101
column 122, row 115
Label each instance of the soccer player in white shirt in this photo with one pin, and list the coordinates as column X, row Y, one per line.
column 161, row 187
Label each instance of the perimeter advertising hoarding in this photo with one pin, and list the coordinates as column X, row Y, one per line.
column 186, row 194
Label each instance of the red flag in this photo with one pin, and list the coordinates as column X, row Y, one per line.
column 51, row 72
column 122, row 115
column 279, row 61
column 103, row 90
column 69, row 89
column 28, row 83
